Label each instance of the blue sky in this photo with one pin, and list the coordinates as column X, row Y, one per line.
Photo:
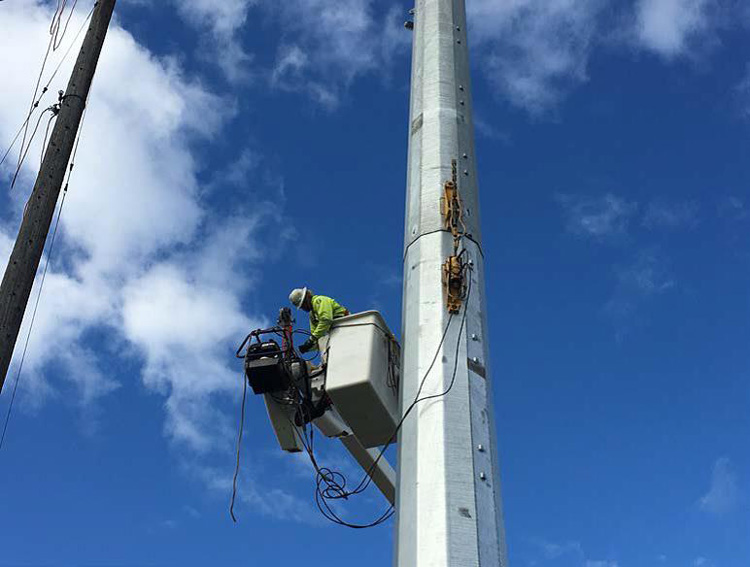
column 236, row 149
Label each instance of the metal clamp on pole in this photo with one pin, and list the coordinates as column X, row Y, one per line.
column 451, row 208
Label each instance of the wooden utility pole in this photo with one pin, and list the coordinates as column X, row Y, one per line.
column 27, row 252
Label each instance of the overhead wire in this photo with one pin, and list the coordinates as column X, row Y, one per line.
column 367, row 479
column 26, row 147
column 56, row 38
column 36, row 100
column 46, row 136
column 34, row 105
column 53, row 239
column 33, row 320
column 54, row 28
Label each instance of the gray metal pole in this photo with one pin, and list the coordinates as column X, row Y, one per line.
column 27, row 252
column 448, row 499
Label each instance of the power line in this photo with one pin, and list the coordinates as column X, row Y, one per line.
column 54, row 28
column 33, row 319
column 41, row 284
column 36, row 101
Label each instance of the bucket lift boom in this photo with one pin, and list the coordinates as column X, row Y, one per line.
column 352, row 396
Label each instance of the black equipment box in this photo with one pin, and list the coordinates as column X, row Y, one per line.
column 265, row 368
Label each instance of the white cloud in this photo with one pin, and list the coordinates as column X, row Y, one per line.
column 143, row 264
column 724, row 492
column 6, row 246
column 291, row 62
column 222, row 22
column 223, row 17
column 671, row 28
column 184, row 315
column 647, row 276
column 573, row 551
column 273, row 503
column 488, row 130
column 733, row 207
column 327, row 44
column 671, row 215
column 219, row 24
column 534, row 51
column 338, row 34
column 323, row 45
column 599, row 217
column 134, row 207
column 554, row 550
column 743, row 92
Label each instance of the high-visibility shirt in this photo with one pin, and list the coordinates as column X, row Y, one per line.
column 324, row 311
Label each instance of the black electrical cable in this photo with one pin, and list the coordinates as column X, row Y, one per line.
column 465, row 235
column 239, row 448
column 331, row 485
column 367, row 479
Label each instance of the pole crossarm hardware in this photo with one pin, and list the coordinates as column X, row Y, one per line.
column 449, row 505
column 35, row 225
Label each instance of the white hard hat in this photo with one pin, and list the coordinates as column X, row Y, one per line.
column 297, row 297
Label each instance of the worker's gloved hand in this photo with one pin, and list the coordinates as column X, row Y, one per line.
column 308, row 345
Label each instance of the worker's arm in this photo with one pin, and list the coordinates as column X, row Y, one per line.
column 323, row 307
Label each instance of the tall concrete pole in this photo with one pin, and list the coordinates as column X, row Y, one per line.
column 448, row 500
column 35, row 225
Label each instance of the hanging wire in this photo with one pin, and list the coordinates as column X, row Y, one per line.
column 239, row 447
column 33, row 106
column 41, row 284
column 23, row 130
column 54, row 28
column 331, row 484
column 44, row 142
column 24, row 153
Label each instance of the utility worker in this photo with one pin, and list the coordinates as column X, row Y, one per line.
column 323, row 310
